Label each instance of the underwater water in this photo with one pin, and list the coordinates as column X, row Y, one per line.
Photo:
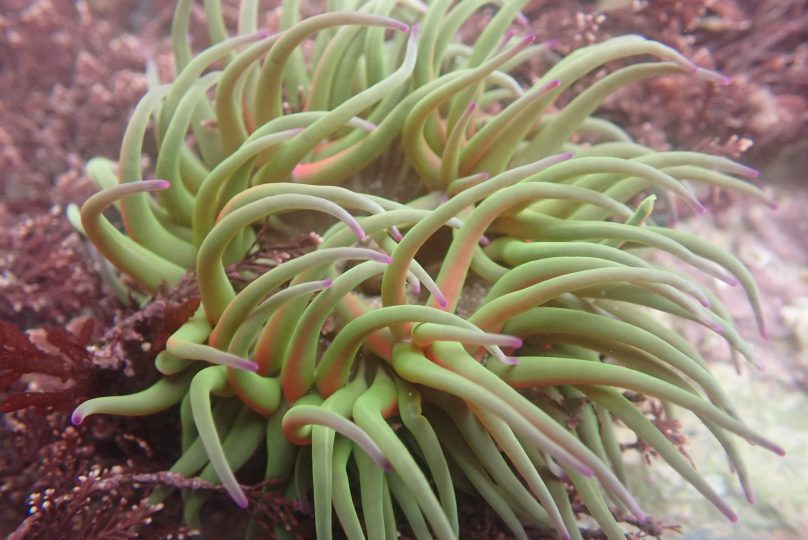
column 772, row 398
column 71, row 72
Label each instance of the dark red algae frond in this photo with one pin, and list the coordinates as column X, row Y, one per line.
column 47, row 277
column 64, row 372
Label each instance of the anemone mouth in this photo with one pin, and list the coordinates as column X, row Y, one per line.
column 479, row 296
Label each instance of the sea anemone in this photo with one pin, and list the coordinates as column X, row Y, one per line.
column 501, row 376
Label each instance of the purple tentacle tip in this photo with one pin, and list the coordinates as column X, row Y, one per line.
column 241, row 499
column 401, row 26
column 261, row 34
column 732, row 516
column 358, row 231
column 159, row 184
column 751, row 172
column 716, row 327
column 516, row 342
column 522, row 19
column 326, row 283
column 510, row 360
column 76, row 418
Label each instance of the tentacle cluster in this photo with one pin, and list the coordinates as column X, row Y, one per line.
column 431, row 386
